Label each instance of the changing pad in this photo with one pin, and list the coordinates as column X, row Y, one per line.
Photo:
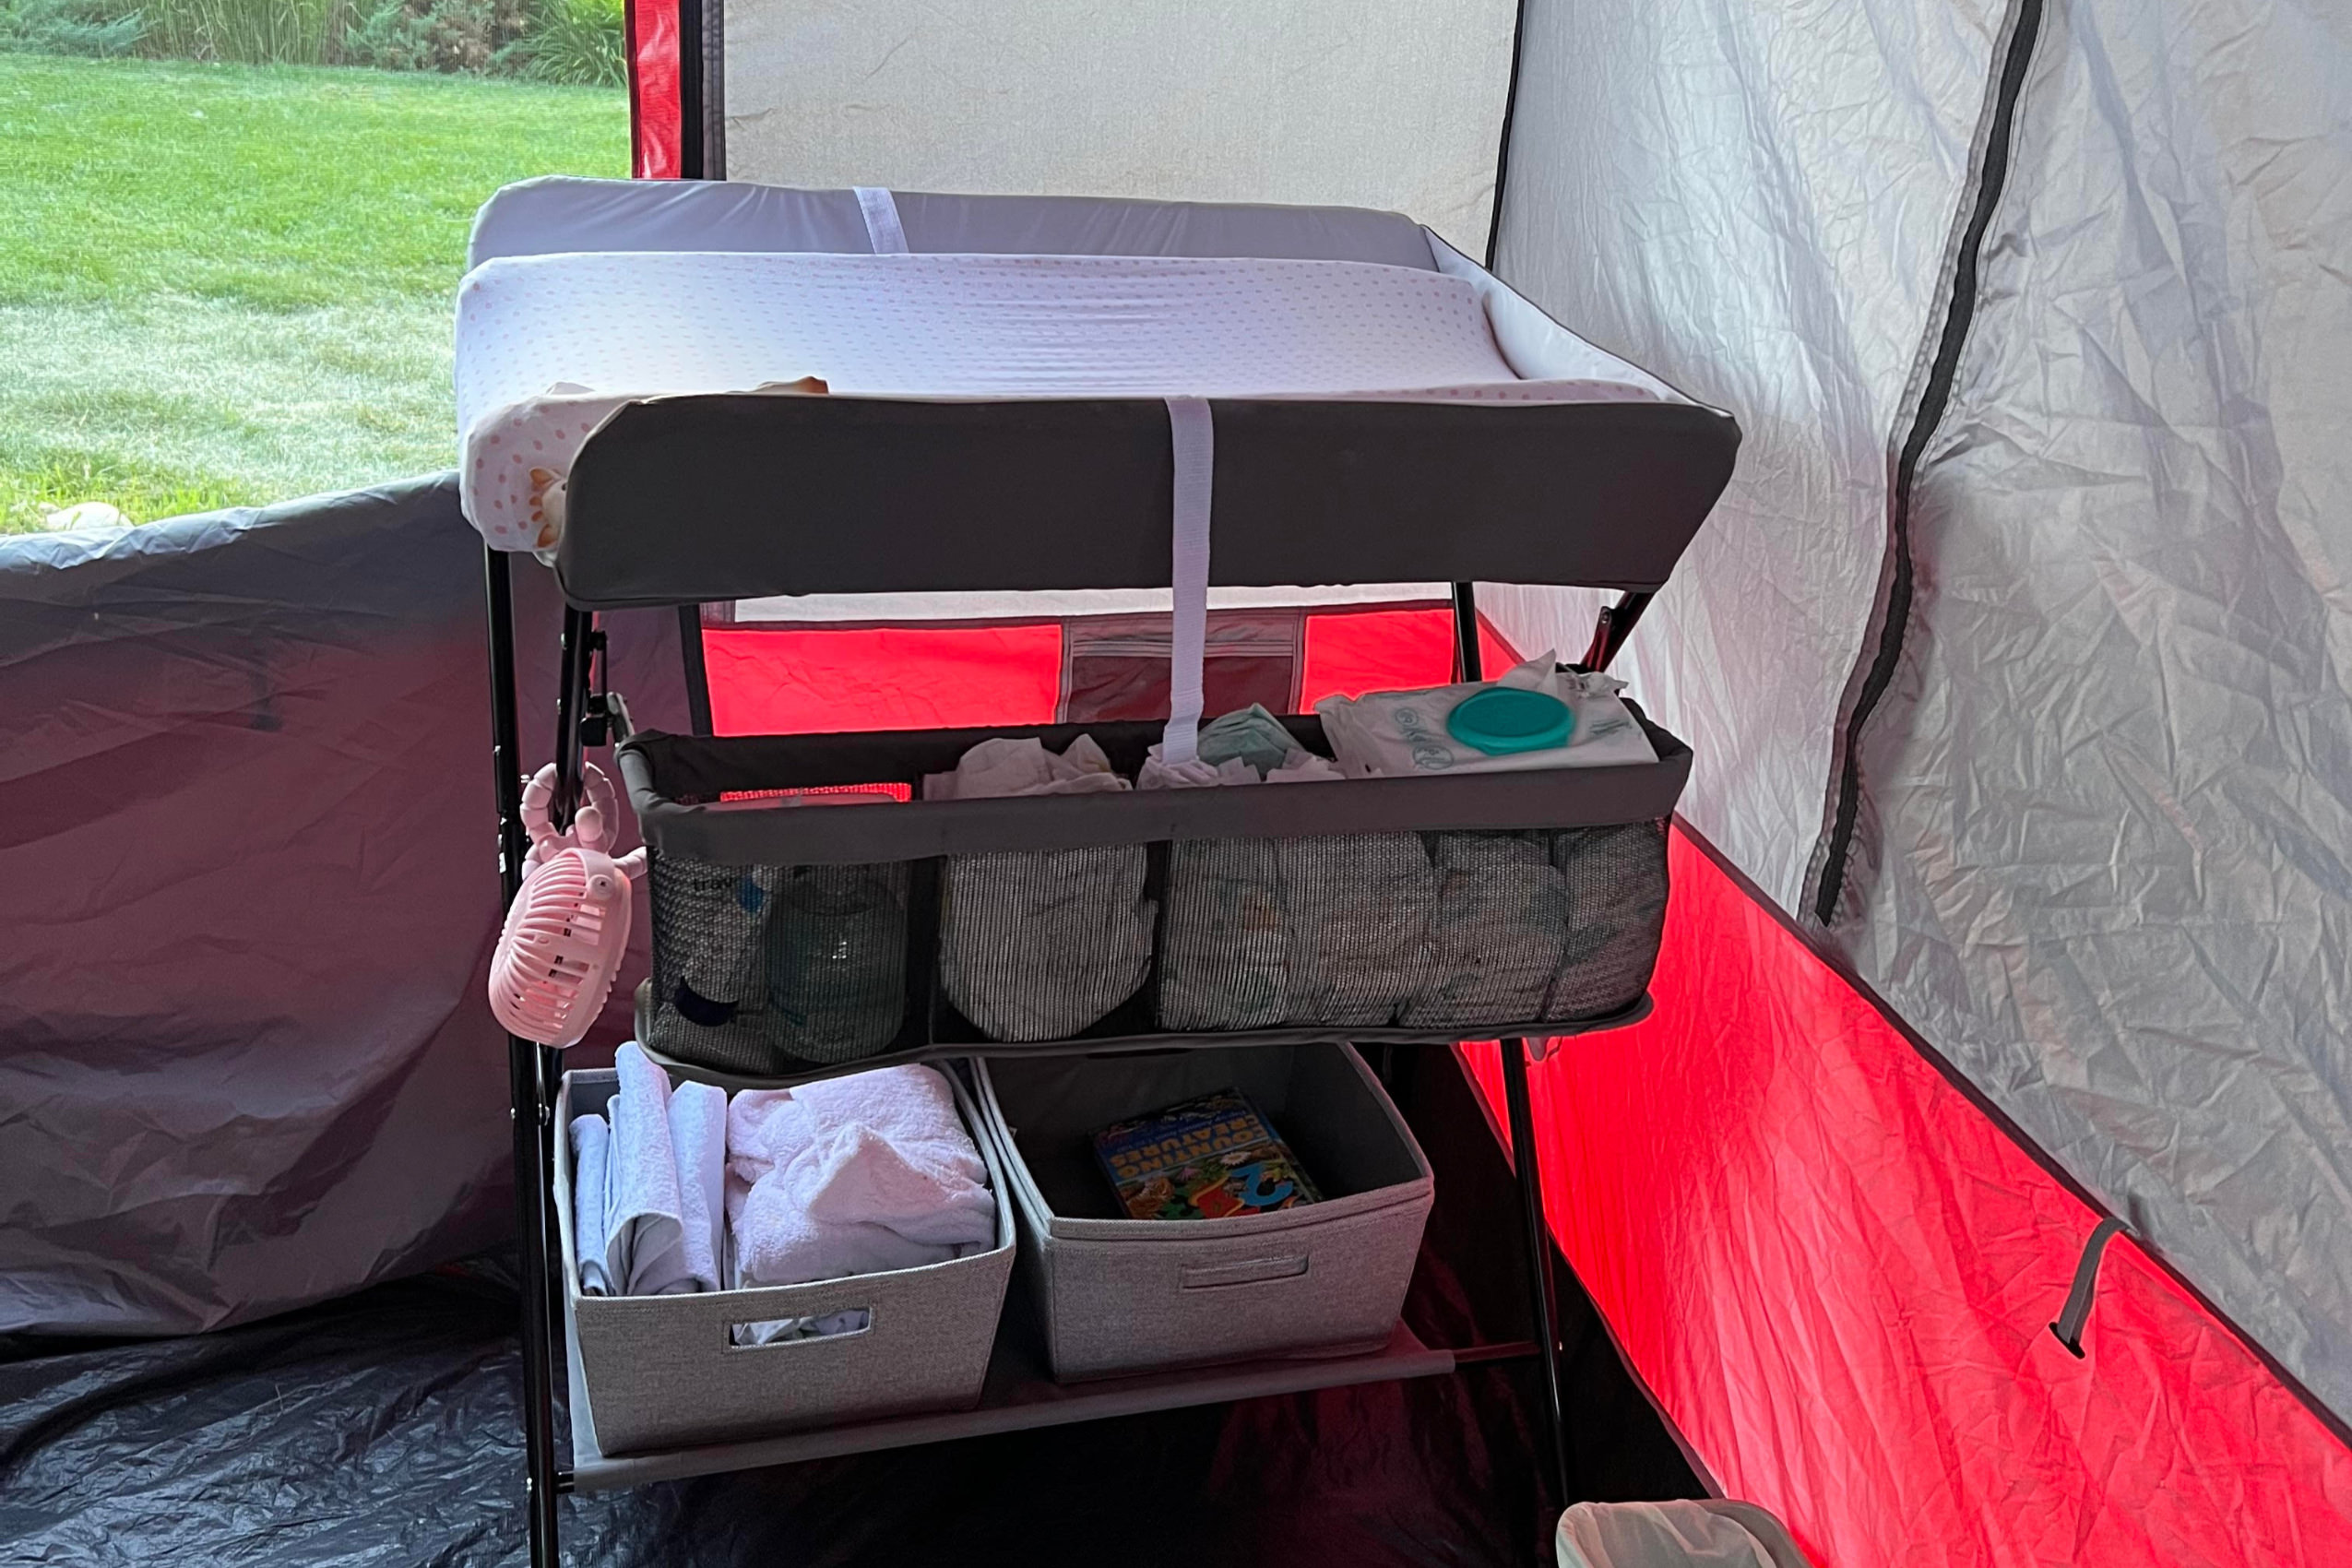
column 549, row 346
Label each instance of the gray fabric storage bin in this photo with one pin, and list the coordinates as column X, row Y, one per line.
column 663, row 1371
column 1116, row 1295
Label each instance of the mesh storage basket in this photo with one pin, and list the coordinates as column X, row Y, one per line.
column 790, row 939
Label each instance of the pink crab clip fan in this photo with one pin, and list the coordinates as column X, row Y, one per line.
column 569, row 925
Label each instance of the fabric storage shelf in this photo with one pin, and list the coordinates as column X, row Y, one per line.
column 664, row 1370
column 1115, row 1294
column 794, row 937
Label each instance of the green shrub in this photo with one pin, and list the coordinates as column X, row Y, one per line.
column 294, row 32
column 69, row 27
column 571, row 42
column 435, row 35
column 579, row 42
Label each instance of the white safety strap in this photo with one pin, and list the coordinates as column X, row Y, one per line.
column 882, row 232
column 1193, row 440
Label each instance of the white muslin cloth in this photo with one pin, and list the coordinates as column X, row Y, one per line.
column 658, row 1240
column 591, row 1143
column 1248, row 746
column 644, row 1232
column 699, row 1142
column 861, row 1174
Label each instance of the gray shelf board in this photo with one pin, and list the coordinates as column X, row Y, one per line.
column 1018, row 1396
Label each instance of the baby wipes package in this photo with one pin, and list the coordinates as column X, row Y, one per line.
column 1465, row 728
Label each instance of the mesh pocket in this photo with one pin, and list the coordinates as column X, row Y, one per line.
column 770, row 969
column 1499, row 931
column 1037, row 946
column 1556, row 925
column 1616, row 884
column 1266, row 931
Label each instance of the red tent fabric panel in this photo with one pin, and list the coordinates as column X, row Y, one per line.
column 1349, row 653
column 802, row 682
column 1834, row 1272
column 654, row 101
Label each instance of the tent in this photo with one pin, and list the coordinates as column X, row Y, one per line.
column 2011, row 887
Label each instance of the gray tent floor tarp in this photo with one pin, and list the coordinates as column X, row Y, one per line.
column 382, row 1430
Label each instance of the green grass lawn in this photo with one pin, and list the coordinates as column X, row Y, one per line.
column 228, row 284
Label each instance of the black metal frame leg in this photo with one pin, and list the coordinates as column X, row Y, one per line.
column 526, row 1079
column 1543, row 1305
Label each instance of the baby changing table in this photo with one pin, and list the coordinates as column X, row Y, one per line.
column 647, row 457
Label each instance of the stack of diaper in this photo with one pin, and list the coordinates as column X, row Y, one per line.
column 1039, row 945
column 1264, row 932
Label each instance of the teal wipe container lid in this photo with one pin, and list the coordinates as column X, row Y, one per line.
column 1502, row 720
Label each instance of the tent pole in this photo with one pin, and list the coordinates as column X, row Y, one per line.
column 526, row 1090
column 1615, row 625
column 1468, row 660
column 1542, row 1306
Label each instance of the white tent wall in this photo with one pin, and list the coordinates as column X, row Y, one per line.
column 2105, row 809
column 1385, row 103
column 1753, row 200
column 2108, row 799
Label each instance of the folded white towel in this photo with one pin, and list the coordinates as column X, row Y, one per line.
column 644, row 1219
column 591, row 1139
column 699, row 1142
column 856, row 1175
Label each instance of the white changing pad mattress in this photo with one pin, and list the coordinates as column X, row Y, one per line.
column 549, row 346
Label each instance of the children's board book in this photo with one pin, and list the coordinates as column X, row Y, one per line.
column 1208, row 1158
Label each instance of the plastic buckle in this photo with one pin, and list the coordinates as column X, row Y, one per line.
column 596, row 713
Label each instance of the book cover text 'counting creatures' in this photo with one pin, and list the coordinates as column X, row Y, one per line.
column 1207, row 1158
